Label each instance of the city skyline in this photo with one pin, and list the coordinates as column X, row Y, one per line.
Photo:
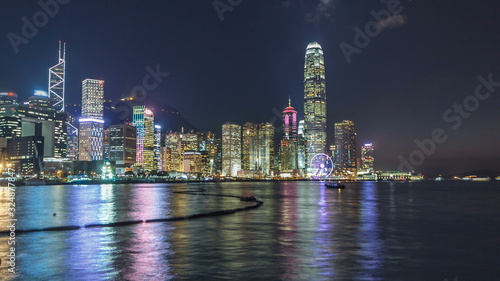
column 396, row 89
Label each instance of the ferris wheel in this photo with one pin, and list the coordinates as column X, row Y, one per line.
column 321, row 166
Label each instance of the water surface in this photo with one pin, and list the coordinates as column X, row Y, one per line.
column 369, row 231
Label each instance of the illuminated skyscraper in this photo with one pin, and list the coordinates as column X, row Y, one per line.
column 90, row 140
column 57, row 75
column 212, row 146
column 143, row 121
column 122, row 146
column 314, row 101
column 289, row 122
column 231, row 149
column 249, row 146
column 56, row 92
column 266, row 151
column 345, row 148
column 10, row 121
column 174, row 152
column 367, row 157
column 301, row 147
column 288, row 146
column 257, row 147
column 158, row 158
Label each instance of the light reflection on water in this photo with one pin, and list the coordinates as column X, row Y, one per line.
column 369, row 231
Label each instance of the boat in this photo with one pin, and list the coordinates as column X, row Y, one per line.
column 331, row 184
column 248, row 198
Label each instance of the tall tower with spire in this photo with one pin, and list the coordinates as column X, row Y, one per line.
column 290, row 122
column 57, row 75
column 314, row 101
column 288, row 145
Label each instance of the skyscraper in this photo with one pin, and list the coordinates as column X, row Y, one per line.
column 265, row 162
column 257, row 148
column 289, row 122
column 314, row 101
column 249, row 146
column 174, row 152
column 122, row 146
column 288, row 146
column 345, row 148
column 57, row 75
column 367, row 157
column 158, row 158
column 231, row 149
column 301, row 147
column 90, row 140
column 143, row 121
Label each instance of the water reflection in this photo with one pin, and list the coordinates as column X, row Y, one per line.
column 288, row 240
column 302, row 232
column 371, row 246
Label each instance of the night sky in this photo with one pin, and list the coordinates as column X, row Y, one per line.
column 396, row 89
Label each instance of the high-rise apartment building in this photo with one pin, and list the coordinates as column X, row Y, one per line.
column 345, row 148
column 314, row 101
column 90, row 139
column 231, row 149
column 143, row 121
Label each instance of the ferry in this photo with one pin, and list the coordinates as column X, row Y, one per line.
column 475, row 178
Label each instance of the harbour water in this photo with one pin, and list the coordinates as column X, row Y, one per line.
column 439, row 231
